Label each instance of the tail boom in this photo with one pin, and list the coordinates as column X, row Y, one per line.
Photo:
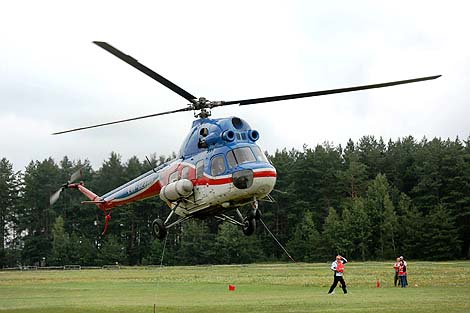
column 94, row 198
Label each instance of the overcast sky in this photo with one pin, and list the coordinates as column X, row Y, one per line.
column 53, row 78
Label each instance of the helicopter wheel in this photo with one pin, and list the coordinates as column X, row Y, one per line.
column 249, row 226
column 159, row 229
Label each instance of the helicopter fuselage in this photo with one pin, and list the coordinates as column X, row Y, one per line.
column 219, row 167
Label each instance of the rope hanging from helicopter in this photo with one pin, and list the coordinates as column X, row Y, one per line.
column 277, row 241
column 159, row 272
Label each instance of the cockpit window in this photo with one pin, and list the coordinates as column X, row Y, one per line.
column 260, row 155
column 244, row 155
column 240, row 156
column 231, row 159
column 217, row 165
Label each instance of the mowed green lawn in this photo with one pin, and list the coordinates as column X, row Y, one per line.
column 434, row 287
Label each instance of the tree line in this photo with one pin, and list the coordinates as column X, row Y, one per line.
column 369, row 200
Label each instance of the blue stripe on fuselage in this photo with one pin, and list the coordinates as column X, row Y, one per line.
column 134, row 186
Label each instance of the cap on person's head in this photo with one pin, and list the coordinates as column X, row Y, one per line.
column 401, row 257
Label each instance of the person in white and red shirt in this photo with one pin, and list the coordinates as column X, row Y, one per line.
column 338, row 268
column 395, row 267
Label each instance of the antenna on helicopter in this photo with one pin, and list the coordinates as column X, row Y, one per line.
column 151, row 166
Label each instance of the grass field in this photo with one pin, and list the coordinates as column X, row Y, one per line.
column 434, row 287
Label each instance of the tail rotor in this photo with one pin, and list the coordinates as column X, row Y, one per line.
column 76, row 175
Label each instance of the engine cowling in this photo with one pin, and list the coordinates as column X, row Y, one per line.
column 177, row 190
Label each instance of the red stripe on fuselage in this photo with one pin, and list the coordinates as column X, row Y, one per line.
column 266, row 173
column 154, row 190
column 226, row 180
column 212, row 181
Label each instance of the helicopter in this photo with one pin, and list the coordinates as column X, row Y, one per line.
column 219, row 168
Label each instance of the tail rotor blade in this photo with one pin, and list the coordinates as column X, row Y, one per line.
column 76, row 175
column 55, row 196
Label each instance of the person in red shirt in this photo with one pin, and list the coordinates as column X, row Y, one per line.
column 402, row 274
column 338, row 268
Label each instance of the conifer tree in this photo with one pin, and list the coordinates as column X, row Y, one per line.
column 383, row 220
column 305, row 242
column 334, row 237
column 60, row 242
column 111, row 251
column 9, row 191
column 440, row 238
column 196, row 244
column 357, row 229
column 410, row 230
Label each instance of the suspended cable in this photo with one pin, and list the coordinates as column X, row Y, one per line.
column 159, row 270
column 275, row 239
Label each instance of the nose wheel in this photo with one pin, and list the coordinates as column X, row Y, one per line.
column 249, row 226
column 249, row 223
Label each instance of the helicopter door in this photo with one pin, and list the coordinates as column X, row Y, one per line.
column 200, row 191
column 218, row 169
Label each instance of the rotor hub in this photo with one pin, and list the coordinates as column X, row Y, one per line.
column 203, row 106
column 203, row 113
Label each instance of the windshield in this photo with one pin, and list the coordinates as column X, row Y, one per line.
column 260, row 156
column 240, row 156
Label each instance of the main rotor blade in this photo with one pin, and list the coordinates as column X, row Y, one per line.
column 122, row 121
column 133, row 62
column 325, row 92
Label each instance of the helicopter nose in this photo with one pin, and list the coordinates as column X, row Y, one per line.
column 243, row 179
